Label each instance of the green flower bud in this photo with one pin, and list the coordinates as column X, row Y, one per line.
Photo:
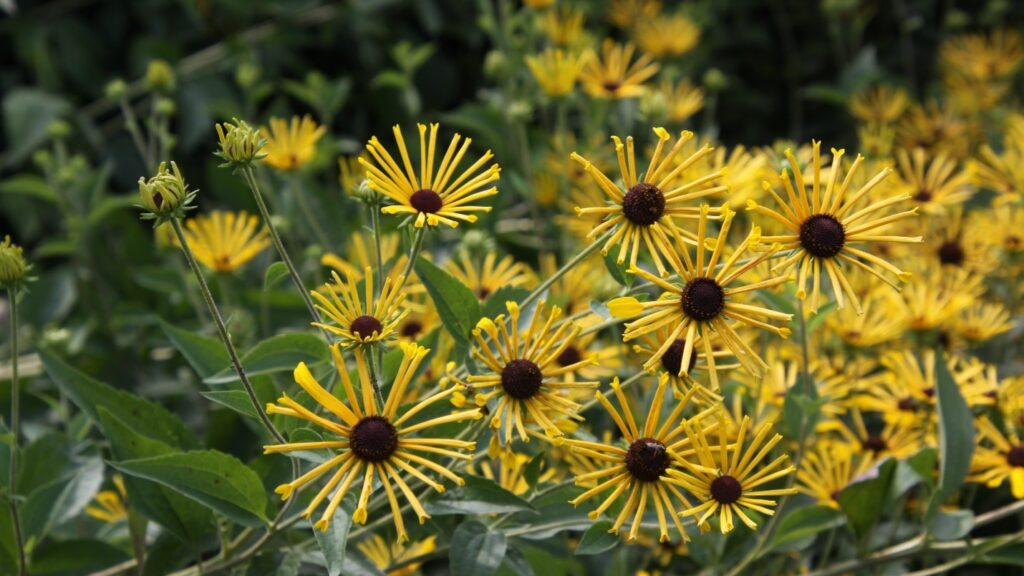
column 165, row 107
column 715, row 80
column 165, row 195
column 247, row 74
column 13, row 267
column 160, row 76
column 239, row 143
column 58, row 130
column 116, row 89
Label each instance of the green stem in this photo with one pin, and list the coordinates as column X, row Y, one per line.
column 250, row 179
column 131, row 123
column 378, row 257
column 804, row 349
column 583, row 255
column 307, row 212
column 222, row 330
column 414, row 252
column 375, row 370
column 12, row 484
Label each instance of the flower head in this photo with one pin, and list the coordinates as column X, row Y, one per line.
column 367, row 441
column 433, row 198
column 880, row 105
column 998, row 457
column 109, row 505
column 13, row 267
column 485, row 277
column 361, row 321
column 290, row 144
column 666, row 35
column 614, row 75
column 240, row 144
column 165, row 195
column 556, row 71
column 226, row 241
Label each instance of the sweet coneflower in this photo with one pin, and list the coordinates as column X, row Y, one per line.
column 1003, row 172
column 932, row 298
column 880, row 440
column 556, row 71
column 983, row 321
column 484, row 277
column 109, row 505
column 563, row 26
column 825, row 230
column 291, row 143
column 702, row 300
column 644, row 209
column 670, row 361
column 998, row 457
column 614, row 75
column 369, row 443
column 828, row 468
column 682, row 99
column 359, row 321
column 663, row 36
column 725, row 477
column 934, row 183
column 386, row 554
column 879, row 105
column 226, row 241
column 938, row 128
column 881, row 320
column 445, row 196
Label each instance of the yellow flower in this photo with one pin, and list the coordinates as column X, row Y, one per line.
column 350, row 174
column 625, row 13
column 384, row 555
column 998, row 457
column 642, row 471
column 291, row 144
column 225, row 241
column 937, row 129
column 933, row 183
column 615, row 75
column 829, row 468
column 522, row 373
column 723, row 478
column 368, row 441
column 982, row 321
column 930, row 299
column 881, row 319
column 13, row 267
column 358, row 322
column 507, row 471
column 433, row 198
column 682, row 100
column 983, row 57
column 702, row 300
column 823, row 229
column 1003, row 173
column 563, row 26
column 361, row 254
column 645, row 207
column 876, row 140
column 880, row 104
column 666, row 35
column 893, row 439
column 670, row 362
column 955, row 243
column 486, row 277
column 109, row 504
column 556, row 71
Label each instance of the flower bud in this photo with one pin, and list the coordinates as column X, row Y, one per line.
column 165, row 107
column 247, row 75
column 13, row 267
column 165, row 195
column 715, row 80
column 58, row 130
column 239, row 142
column 160, row 76
column 116, row 89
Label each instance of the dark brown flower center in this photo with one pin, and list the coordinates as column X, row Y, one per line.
column 923, row 195
column 951, row 253
column 702, row 299
column 1015, row 457
column 373, row 439
column 483, row 292
column 822, row 235
column 569, row 356
column 726, row 489
column 426, row 200
column 673, row 358
column 521, row 379
column 611, row 86
column 874, row 444
column 643, row 204
column 907, row 404
column 365, row 326
column 158, row 200
column 647, row 459
column 411, row 329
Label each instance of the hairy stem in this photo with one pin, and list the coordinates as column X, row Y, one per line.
column 19, row 542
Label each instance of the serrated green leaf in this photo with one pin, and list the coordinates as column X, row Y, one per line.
column 236, row 400
column 280, row 353
column 797, row 529
column 476, row 549
column 65, row 493
column 334, row 541
column 956, row 431
column 597, row 539
column 477, row 496
column 217, row 480
column 145, row 417
column 863, row 500
column 456, row 304
column 206, row 355
column 275, row 273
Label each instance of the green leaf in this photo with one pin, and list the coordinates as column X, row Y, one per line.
column 456, row 304
column 597, row 539
column 236, row 400
column 1012, row 554
column 797, row 529
column 618, row 271
column 495, row 303
column 951, row 524
column 278, row 353
column 214, row 479
column 531, row 473
column 206, row 355
column 275, row 273
column 914, row 470
column 28, row 185
column 63, row 496
column 817, row 319
column 956, row 431
column 74, row 557
column 864, row 499
column 185, row 519
column 800, row 410
column 476, row 549
column 145, row 417
column 28, row 113
column 333, row 541
column 477, row 496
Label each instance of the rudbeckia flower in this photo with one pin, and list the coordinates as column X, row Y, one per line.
column 291, row 144
column 879, row 105
column 360, row 321
column 933, row 183
column 556, row 71
column 614, row 75
column 226, row 241
column 827, row 469
column 485, row 277
column 666, row 35
column 998, row 457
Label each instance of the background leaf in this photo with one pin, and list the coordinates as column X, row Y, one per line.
column 456, row 304
column 597, row 539
column 956, row 431
column 477, row 496
column 476, row 549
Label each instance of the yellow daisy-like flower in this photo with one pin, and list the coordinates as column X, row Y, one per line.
column 1007, row 225
column 725, row 479
column 350, row 174
column 929, row 300
column 998, row 457
column 933, row 183
column 983, row 321
column 432, row 197
column 823, row 229
column 937, row 129
column 508, row 471
column 360, row 254
column 880, row 104
column 369, row 441
column 523, row 373
column 643, row 469
column 563, row 26
column 1003, row 173
column 876, row 140
column 955, row 243
column 626, row 13
column 881, row 320
column 829, row 468
column 682, row 100
column 385, row 555
column 556, row 71
column 291, row 144
column 643, row 210
column 666, row 35
column 360, row 321
column 704, row 301
column 983, row 57
column 109, row 505
column 615, row 75
column 486, row 277
column 893, row 439
column 670, row 361
column 226, row 241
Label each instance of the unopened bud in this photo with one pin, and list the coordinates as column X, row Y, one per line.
column 239, row 143
column 12, row 264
